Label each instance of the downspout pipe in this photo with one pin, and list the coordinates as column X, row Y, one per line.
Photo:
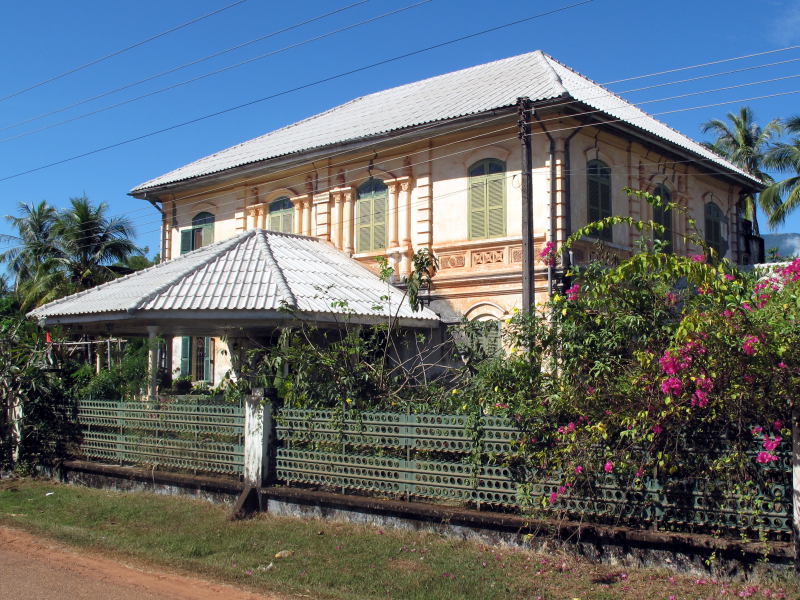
column 525, row 112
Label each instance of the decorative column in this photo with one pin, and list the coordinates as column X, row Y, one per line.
column 338, row 215
column 299, row 208
column 309, row 204
column 393, row 216
column 322, row 226
column 404, row 223
column 348, row 216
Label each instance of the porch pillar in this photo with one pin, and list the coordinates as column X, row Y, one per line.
column 152, row 363
column 404, row 224
column 309, row 204
column 348, row 222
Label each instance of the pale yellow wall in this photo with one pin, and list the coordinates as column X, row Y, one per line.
column 429, row 196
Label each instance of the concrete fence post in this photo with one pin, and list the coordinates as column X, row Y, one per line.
column 257, row 439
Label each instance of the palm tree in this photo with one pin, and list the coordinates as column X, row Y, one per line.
column 61, row 252
column 90, row 242
column 744, row 143
column 33, row 243
column 783, row 197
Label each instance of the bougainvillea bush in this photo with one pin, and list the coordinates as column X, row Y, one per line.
column 664, row 366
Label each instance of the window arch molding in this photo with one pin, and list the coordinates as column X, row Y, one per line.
column 499, row 152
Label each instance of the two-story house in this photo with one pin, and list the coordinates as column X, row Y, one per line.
column 438, row 164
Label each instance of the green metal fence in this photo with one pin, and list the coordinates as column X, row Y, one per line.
column 429, row 457
column 193, row 436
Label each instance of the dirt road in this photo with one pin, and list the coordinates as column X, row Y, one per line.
column 35, row 568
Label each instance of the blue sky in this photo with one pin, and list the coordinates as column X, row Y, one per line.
column 605, row 40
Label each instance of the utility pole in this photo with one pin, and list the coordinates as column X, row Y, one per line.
column 528, row 262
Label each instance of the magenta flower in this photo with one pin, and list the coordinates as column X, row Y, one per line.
column 777, row 424
column 700, row 258
column 766, row 458
column 578, row 470
column 750, row 344
column 729, row 277
column 672, row 386
column 573, row 293
column 671, row 298
column 657, row 429
column 608, row 467
column 782, row 365
column 772, row 444
column 756, row 430
column 553, row 498
column 548, row 254
column 700, row 399
column 746, row 306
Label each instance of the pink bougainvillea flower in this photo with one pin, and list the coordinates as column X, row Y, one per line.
column 578, row 470
column 704, row 290
column 727, row 313
column 657, row 429
column 548, row 254
column 562, row 489
column 782, row 365
column 700, row 398
column 553, row 498
column 766, row 458
column 746, row 306
column 748, row 378
column 501, row 405
column 573, row 293
column 671, row 298
column 639, row 473
column 729, row 277
column 672, row 386
column 700, row 258
column 772, row 444
column 756, row 430
column 608, row 467
column 778, row 424
column 750, row 344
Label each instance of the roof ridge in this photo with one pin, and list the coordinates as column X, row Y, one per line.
column 628, row 104
column 282, row 283
column 224, row 246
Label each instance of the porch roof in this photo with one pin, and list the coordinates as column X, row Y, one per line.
column 257, row 280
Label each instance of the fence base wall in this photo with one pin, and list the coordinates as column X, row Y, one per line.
column 613, row 545
column 133, row 479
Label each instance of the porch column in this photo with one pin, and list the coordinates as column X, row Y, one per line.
column 337, row 224
column 152, row 363
column 299, row 208
column 392, row 241
column 404, row 224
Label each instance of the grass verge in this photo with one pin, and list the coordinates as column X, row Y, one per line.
column 331, row 560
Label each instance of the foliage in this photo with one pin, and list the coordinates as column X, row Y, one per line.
column 62, row 252
column 124, row 380
column 783, row 197
column 28, row 387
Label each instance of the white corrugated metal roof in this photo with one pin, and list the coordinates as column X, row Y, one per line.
column 470, row 91
column 257, row 270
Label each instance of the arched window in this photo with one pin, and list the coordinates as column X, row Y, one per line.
column 487, row 199
column 663, row 217
column 371, row 208
column 281, row 215
column 598, row 195
column 716, row 229
column 200, row 234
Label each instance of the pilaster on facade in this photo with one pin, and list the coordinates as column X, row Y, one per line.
column 301, row 220
column 322, row 213
column 559, row 188
column 400, row 248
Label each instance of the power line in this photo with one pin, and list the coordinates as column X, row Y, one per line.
column 121, row 51
column 294, row 89
column 215, row 72
column 185, row 65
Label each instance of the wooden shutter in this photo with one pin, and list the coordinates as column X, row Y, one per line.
column 477, row 208
column 275, row 221
column 495, row 206
column 186, row 241
column 186, row 355
column 363, row 220
column 287, row 221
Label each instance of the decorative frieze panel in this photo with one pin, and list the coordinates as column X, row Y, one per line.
column 452, row 261
column 488, row 257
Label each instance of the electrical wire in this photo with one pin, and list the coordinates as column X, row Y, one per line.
column 294, row 89
column 184, row 65
column 120, row 51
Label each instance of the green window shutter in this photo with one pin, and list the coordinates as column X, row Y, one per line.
column 207, row 234
column 363, row 219
column 495, row 206
column 186, row 356
column 477, row 208
column 208, row 355
column 275, row 221
column 287, row 221
column 186, row 241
